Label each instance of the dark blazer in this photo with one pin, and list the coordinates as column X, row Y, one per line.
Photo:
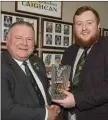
column 18, row 99
column 92, row 95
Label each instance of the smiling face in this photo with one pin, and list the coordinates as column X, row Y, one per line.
column 86, row 29
column 20, row 42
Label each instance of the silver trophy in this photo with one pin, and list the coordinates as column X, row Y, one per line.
column 59, row 80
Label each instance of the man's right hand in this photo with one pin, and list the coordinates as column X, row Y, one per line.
column 52, row 114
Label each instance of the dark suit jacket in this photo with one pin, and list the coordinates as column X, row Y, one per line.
column 92, row 95
column 18, row 100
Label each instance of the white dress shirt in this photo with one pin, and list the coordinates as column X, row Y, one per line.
column 80, row 51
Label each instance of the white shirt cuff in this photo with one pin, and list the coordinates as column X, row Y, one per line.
column 46, row 116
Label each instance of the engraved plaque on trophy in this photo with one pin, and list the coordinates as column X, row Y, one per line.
column 59, row 80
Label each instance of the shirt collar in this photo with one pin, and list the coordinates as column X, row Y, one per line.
column 20, row 62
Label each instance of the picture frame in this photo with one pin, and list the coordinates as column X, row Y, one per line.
column 51, row 9
column 56, row 34
column 3, row 49
column 49, row 58
column 9, row 18
column 105, row 32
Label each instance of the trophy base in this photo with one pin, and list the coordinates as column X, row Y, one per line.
column 56, row 91
column 57, row 95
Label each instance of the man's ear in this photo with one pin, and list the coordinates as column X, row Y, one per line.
column 98, row 26
column 7, row 40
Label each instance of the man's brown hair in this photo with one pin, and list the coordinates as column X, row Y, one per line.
column 82, row 9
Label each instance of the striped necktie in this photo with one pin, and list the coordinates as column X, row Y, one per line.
column 34, row 84
column 76, row 82
column 79, row 66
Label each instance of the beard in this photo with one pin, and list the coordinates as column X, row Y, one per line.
column 82, row 43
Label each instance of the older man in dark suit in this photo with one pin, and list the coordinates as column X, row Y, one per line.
column 24, row 83
column 88, row 57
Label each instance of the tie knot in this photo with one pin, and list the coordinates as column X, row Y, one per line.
column 85, row 52
column 86, row 49
column 25, row 63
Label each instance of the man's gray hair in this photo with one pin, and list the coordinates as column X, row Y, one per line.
column 20, row 23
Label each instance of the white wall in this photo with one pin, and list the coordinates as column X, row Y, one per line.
column 70, row 7
column 68, row 11
column 100, row 7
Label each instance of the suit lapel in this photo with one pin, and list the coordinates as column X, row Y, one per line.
column 93, row 52
column 37, row 68
column 20, row 76
column 90, row 57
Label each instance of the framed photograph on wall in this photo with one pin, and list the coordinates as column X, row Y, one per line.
column 9, row 18
column 105, row 32
column 56, row 34
column 50, row 58
column 51, row 9
column 3, row 49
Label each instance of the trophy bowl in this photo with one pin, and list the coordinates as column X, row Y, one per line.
column 59, row 80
